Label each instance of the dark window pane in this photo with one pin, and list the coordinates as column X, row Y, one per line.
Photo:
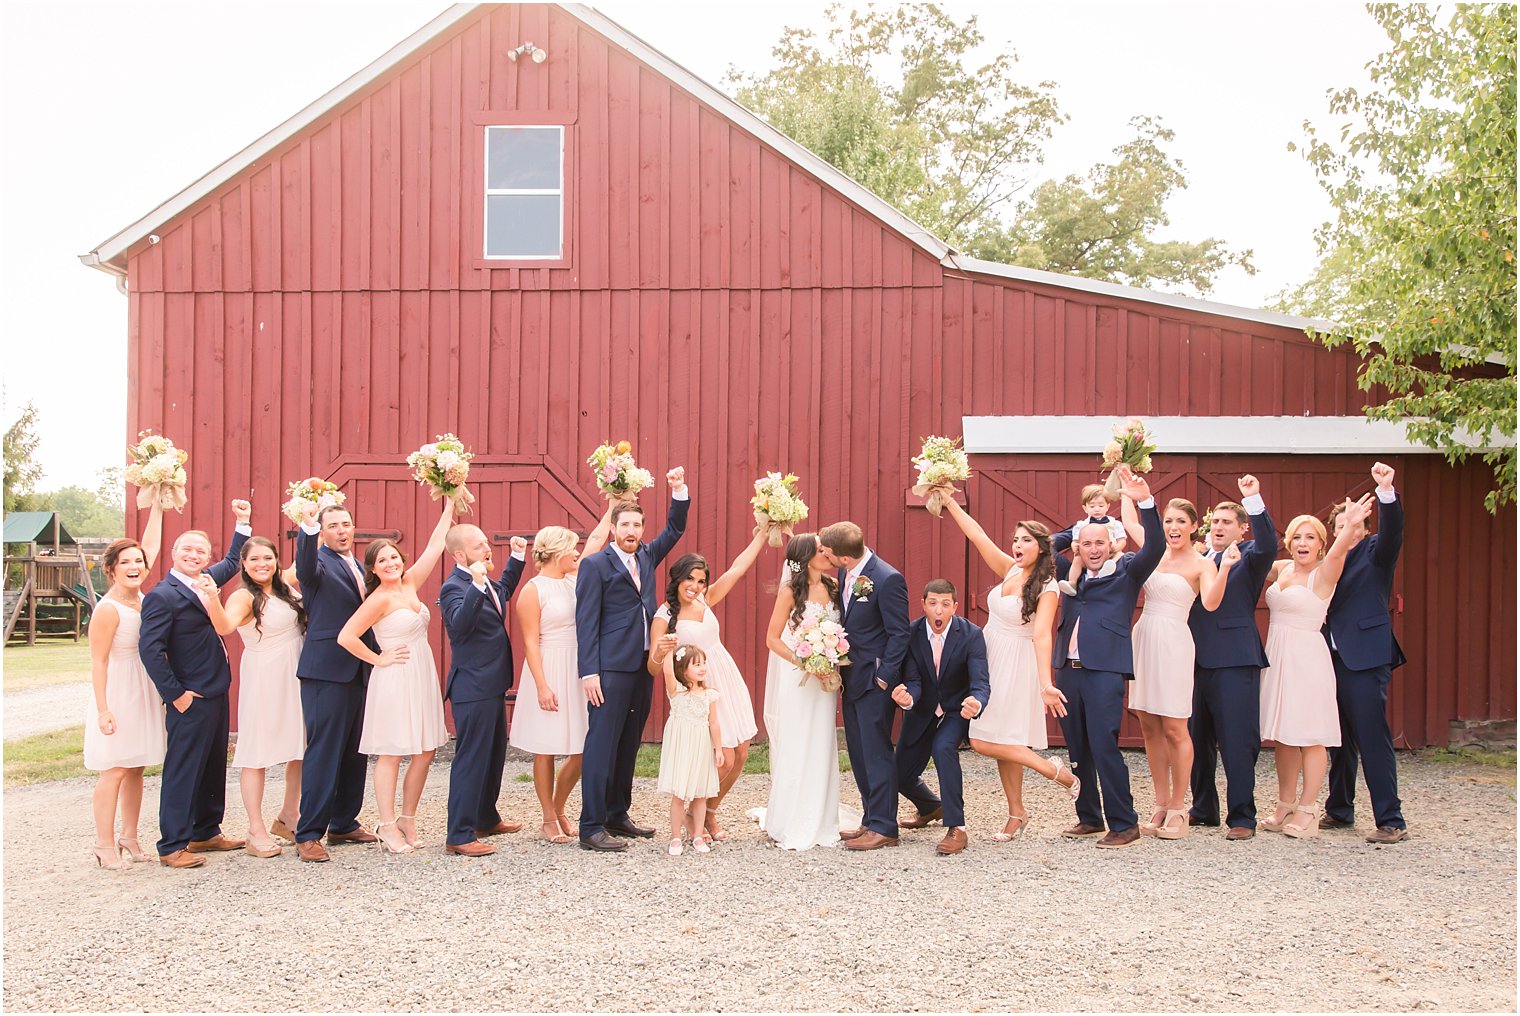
column 524, row 158
column 522, row 225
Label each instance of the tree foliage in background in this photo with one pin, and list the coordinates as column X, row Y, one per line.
column 1419, row 264
column 888, row 98
column 22, row 470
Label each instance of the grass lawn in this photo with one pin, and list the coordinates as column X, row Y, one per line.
column 1503, row 761
column 56, row 755
column 42, row 665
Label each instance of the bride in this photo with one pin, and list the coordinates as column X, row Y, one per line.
column 803, row 810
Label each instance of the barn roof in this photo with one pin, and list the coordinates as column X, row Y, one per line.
column 111, row 254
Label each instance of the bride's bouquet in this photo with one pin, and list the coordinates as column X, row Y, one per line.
column 616, row 474
column 941, row 464
column 443, row 467
column 310, row 493
column 1131, row 446
column 777, row 505
column 821, row 644
column 158, row 470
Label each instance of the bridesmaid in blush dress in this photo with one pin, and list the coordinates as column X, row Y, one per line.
column 1161, row 695
column 690, row 599
column 549, row 717
column 267, row 614
column 1021, row 614
column 127, row 731
column 1298, row 707
column 403, row 706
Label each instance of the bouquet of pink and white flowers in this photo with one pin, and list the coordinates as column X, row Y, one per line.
column 314, row 492
column 158, row 470
column 821, row 643
column 443, row 467
column 777, row 505
column 941, row 465
column 1131, row 446
column 616, row 474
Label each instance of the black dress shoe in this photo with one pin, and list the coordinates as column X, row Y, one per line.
column 628, row 829
column 1194, row 820
column 601, row 841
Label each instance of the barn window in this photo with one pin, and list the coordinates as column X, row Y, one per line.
column 525, row 192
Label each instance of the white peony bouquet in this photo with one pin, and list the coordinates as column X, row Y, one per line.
column 821, row 643
column 941, row 465
column 313, row 492
column 1131, row 446
column 777, row 505
column 443, row 467
column 158, row 470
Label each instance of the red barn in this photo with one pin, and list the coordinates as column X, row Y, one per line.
column 541, row 254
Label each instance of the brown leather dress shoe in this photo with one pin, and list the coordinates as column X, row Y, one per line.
column 1326, row 822
column 312, row 850
column 283, row 831
column 1241, row 832
column 1123, row 838
column 953, row 843
column 474, row 848
column 602, row 841
column 358, row 835
column 1388, row 834
column 850, row 834
column 870, row 840
column 217, row 842
column 181, row 859
column 1082, row 829
column 500, row 827
column 923, row 819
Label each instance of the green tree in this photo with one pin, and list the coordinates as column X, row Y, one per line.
column 1419, row 263
column 22, row 470
column 1103, row 226
column 887, row 97
column 85, row 512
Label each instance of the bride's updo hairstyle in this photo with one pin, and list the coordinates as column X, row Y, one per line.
column 800, row 550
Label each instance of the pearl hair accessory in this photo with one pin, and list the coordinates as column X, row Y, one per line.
column 793, row 567
column 681, row 653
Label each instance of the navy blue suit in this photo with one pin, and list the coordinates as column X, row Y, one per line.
column 962, row 672
column 877, row 625
column 612, row 618
column 1364, row 650
column 1228, row 658
column 480, row 673
column 332, row 693
column 1095, row 692
column 182, row 652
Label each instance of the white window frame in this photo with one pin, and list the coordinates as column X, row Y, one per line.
column 489, row 191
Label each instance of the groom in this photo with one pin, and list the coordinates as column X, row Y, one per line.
column 875, row 602
column 616, row 592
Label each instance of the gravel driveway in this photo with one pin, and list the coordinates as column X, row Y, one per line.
column 53, row 707
column 1040, row 923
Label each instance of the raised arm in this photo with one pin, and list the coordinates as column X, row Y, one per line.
column 511, row 575
column 675, row 522
column 597, row 539
column 307, row 572
column 996, row 557
column 736, row 571
column 1130, row 516
column 152, row 536
column 1329, row 571
column 426, row 561
column 1149, row 556
column 227, row 567
column 1390, row 534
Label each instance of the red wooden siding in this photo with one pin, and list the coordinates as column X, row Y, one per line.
column 327, row 311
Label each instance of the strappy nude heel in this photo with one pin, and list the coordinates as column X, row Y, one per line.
column 135, row 855
column 1306, row 832
column 1167, row 831
column 1276, row 827
column 406, row 848
column 1061, row 767
column 411, row 841
column 121, row 863
column 1004, row 837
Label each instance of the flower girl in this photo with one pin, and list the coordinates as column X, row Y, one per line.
column 692, row 748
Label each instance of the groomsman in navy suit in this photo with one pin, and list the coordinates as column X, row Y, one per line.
column 1092, row 659
column 1226, row 718
column 944, row 687
column 332, row 685
column 616, row 594
column 187, row 661
column 875, row 599
column 1359, row 629
column 474, row 608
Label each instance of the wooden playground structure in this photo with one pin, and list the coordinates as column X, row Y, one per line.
column 48, row 589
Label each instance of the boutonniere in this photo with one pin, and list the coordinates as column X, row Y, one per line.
column 862, row 589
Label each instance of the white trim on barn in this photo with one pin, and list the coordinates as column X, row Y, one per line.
column 1275, row 435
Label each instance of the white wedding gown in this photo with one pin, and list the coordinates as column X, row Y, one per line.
column 803, row 810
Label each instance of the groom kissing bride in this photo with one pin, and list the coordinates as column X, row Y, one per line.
column 874, row 603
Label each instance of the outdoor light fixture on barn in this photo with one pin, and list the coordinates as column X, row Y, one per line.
column 538, row 55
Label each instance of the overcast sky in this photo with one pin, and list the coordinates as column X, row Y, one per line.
column 107, row 110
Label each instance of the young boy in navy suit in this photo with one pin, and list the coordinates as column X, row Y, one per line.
column 944, row 686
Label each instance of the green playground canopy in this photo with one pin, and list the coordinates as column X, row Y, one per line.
column 34, row 527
